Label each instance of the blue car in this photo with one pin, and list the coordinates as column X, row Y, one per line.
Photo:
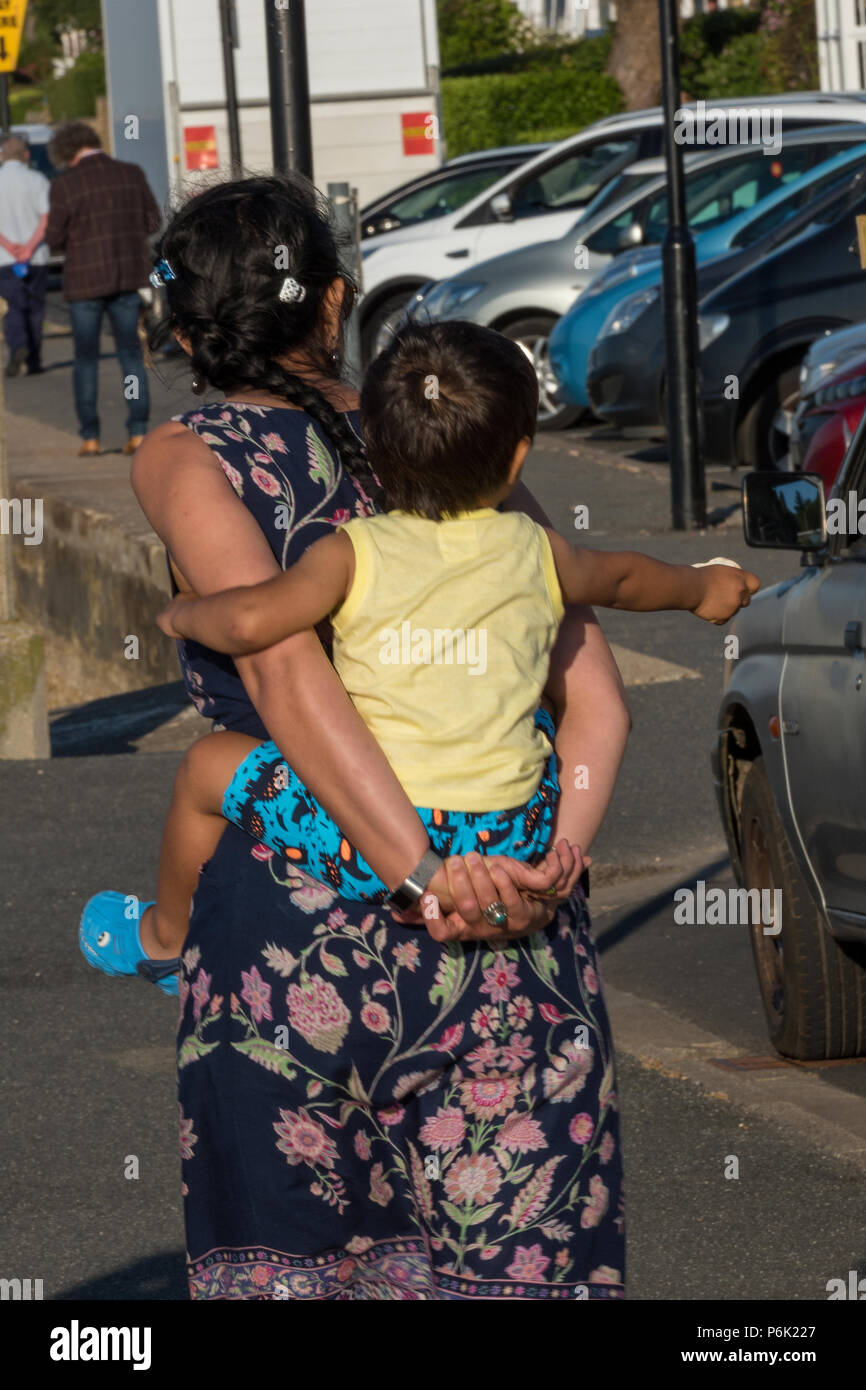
column 633, row 280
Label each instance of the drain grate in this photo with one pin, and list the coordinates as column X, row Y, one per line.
column 774, row 1063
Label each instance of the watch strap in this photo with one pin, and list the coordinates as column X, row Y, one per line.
column 413, row 887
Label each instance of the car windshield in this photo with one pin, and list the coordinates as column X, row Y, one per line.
column 618, row 188
column 786, row 207
column 714, row 195
column 574, row 180
column 444, row 195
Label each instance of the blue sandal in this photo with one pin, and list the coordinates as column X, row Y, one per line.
column 110, row 942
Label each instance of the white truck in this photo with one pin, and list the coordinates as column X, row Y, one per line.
column 374, row 87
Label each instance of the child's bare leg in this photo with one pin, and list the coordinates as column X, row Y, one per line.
column 192, row 832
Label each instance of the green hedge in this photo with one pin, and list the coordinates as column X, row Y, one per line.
column 581, row 55
column 515, row 108
column 73, row 96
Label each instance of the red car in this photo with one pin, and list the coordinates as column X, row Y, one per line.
column 825, row 422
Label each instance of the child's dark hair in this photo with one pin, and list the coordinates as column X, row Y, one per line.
column 230, row 249
column 443, row 409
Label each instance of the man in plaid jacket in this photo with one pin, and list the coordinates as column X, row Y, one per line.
column 101, row 214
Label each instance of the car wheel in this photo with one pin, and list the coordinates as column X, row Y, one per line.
column 382, row 324
column 765, row 429
column 813, row 988
column 533, row 336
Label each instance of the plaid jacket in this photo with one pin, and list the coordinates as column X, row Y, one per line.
column 101, row 213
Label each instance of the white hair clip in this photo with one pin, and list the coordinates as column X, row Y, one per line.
column 291, row 292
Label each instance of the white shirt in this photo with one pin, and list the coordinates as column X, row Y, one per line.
column 23, row 203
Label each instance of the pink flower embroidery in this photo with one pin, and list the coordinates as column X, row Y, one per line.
column 381, row 1191
column 499, row 980
column 187, row 1137
column 550, row 1013
column 303, row 1140
column 274, row 443
column 581, row 1128
column 262, row 852
column 473, row 1178
column 450, row 1039
column 374, row 1017
column 200, row 991
column 318, row 1013
column 482, row 1058
column 522, row 1135
column 516, row 1052
column 492, row 1096
column 590, row 979
column 390, row 1115
column 597, row 1204
column 529, row 1263
column 606, row 1148
column 362, row 1144
column 234, row 477
column 266, row 481
column 604, row 1275
column 444, row 1130
column 257, row 993
column 484, row 1021
column 407, row 954
column 519, row 1012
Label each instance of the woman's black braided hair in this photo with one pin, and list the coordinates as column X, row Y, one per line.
column 230, row 248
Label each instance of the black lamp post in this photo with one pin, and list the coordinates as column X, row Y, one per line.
column 679, row 288
column 289, row 82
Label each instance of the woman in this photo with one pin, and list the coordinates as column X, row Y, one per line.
column 366, row 1111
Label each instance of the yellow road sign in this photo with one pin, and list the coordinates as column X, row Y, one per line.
column 11, row 23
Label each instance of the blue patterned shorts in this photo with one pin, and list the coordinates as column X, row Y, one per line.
column 267, row 800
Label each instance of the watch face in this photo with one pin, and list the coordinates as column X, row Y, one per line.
column 402, row 899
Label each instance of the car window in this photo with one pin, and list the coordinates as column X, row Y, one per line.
column 715, row 194
column 761, row 226
column 575, row 178
column 445, row 195
column 613, row 235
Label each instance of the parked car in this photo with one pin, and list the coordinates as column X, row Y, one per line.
column 720, row 251
column 443, row 190
column 754, row 330
column 825, row 422
column 789, row 758
column 541, row 199
column 828, row 353
column 523, row 293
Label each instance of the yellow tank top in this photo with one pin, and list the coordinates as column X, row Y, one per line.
column 443, row 643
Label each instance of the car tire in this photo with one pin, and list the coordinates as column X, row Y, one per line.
column 386, row 315
column 762, row 445
column 813, row 987
column 533, row 335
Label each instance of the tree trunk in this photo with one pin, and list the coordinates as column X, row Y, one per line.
column 635, row 54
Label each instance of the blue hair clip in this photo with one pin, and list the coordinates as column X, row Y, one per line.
column 161, row 274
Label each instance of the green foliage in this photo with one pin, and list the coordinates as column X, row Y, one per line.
column 515, row 108
column 73, row 95
column 578, row 55
column 53, row 15
column 790, row 45
column 23, row 100
column 472, row 30
column 745, row 52
column 704, row 46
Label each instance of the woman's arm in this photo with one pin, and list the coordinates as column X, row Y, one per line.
column 215, row 542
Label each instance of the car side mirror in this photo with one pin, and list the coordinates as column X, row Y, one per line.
column 784, row 511
column 502, row 207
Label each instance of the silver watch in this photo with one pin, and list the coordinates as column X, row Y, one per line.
column 408, row 893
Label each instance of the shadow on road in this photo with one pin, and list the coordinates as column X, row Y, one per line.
column 159, row 1277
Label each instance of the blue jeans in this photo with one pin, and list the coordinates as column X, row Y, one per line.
column 86, row 315
column 26, row 310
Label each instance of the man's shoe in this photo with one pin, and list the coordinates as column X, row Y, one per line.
column 90, row 446
column 132, row 443
column 16, row 361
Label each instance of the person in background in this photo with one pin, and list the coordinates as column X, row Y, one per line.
column 101, row 214
column 23, row 254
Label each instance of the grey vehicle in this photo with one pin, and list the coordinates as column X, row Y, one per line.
column 524, row 292
column 790, row 758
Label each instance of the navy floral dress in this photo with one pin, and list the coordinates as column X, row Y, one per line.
column 364, row 1113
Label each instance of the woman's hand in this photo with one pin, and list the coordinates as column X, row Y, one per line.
column 479, row 881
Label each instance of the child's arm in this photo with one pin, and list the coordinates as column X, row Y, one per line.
column 627, row 579
column 256, row 616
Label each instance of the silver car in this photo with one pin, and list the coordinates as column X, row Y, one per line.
column 524, row 292
column 791, row 755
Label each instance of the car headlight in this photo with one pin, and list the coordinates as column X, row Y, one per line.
column 628, row 311
column 710, row 328
column 449, row 295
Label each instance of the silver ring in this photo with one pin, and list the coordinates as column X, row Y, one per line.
column 495, row 914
